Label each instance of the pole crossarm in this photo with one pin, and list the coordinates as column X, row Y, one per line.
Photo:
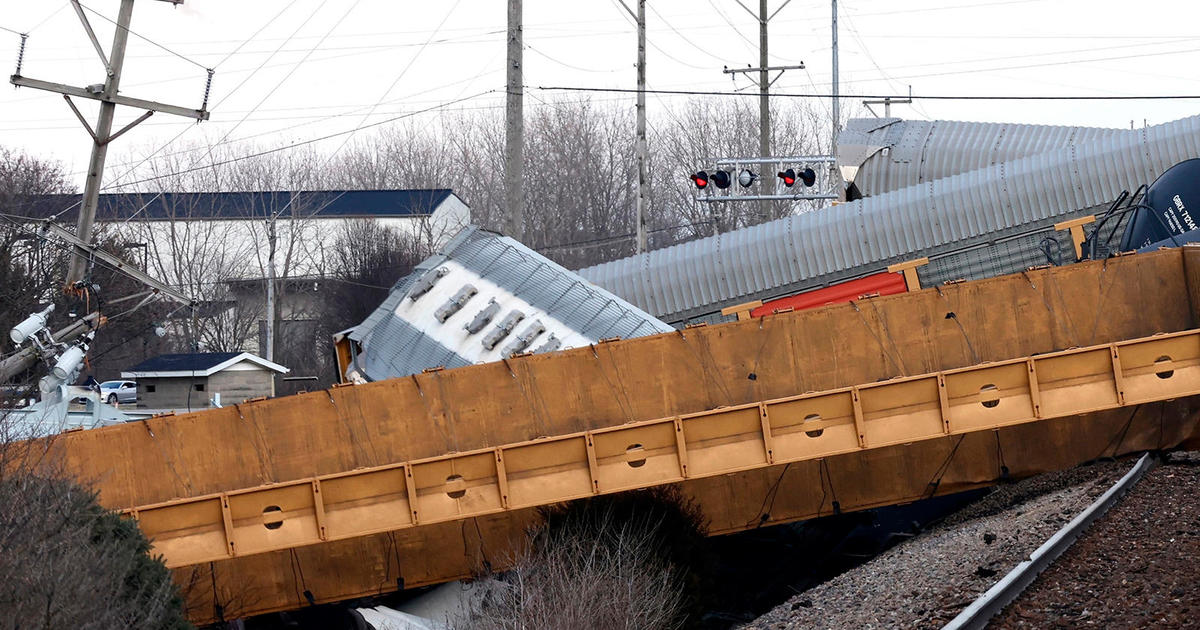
column 157, row 285
column 116, row 99
column 800, row 66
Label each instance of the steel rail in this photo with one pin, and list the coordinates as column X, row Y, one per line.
column 725, row 440
column 1005, row 591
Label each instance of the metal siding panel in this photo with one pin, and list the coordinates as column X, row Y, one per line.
column 394, row 346
column 931, row 218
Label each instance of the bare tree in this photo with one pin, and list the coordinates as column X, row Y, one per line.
column 65, row 562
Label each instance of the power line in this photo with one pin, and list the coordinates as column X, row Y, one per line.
column 47, row 18
column 327, row 117
column 651, row 44
column 257, row 105
column 681, row 35
column 142, row 37
column 1037, row 65
column 572, row 67
column 310, row 140
column 938, row 97
column 256, row 34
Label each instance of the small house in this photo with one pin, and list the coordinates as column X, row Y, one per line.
column 201, row 380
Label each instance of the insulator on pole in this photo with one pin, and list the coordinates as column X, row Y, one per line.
column 21, row 53
column 207, row 90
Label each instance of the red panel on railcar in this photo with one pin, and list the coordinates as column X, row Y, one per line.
column 880, row 283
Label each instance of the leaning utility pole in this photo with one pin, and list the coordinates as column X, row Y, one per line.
column 107, row 94
column 642, row 148
column 764, row 85
column 514, row 129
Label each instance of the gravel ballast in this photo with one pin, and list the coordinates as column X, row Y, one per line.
column 1136, row 567
column 925, row 581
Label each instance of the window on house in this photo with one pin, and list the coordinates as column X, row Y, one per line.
column 149, row 389
column 199, row 387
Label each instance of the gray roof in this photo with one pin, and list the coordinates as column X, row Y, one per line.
column 423, row 322
column 891, row 153
column 971, row 209
column 172, row 206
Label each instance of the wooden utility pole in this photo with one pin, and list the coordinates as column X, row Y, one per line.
column 642, row 148
column 514, row 129
column 102, row 135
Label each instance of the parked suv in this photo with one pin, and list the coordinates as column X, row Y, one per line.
column 113, row 392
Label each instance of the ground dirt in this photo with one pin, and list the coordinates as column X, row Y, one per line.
column 1136, row 567
column 925, row 581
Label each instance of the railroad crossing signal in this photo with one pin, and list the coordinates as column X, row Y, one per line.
column 808, row 176
column 815, row 172
column 719, row 178
column 747, row 177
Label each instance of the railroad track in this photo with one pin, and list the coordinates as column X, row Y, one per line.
column 1009, row 588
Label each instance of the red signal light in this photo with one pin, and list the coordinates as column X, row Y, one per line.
column 700, row 179
column 790, row 176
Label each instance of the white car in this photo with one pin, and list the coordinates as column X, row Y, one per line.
column 113, row 392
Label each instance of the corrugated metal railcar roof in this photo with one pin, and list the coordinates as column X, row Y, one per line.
column 405, row 334
column 882, row 155
column 1002, row 200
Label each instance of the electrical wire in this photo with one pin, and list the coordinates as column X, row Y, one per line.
column 47, row 18
column 142, row 37
column 310, row 140
column 862, row 45
column 567, row 65
column 256, row 34
column 633, row 23
column 735, row 29
column 379, row 101
column 295, row 67
column 938, row 97
column 116, row 183
column 323, row 118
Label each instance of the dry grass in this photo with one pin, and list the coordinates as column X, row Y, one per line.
column 622, row 562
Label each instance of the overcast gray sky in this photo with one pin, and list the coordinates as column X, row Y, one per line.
column 290, row 70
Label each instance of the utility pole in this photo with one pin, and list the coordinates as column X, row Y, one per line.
column 887, row 103
column 271, row 287
column 764, row 101
column 834, row 174
column 764, row 17
column 514, row 128
column 642, row 148
column 102, row 135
